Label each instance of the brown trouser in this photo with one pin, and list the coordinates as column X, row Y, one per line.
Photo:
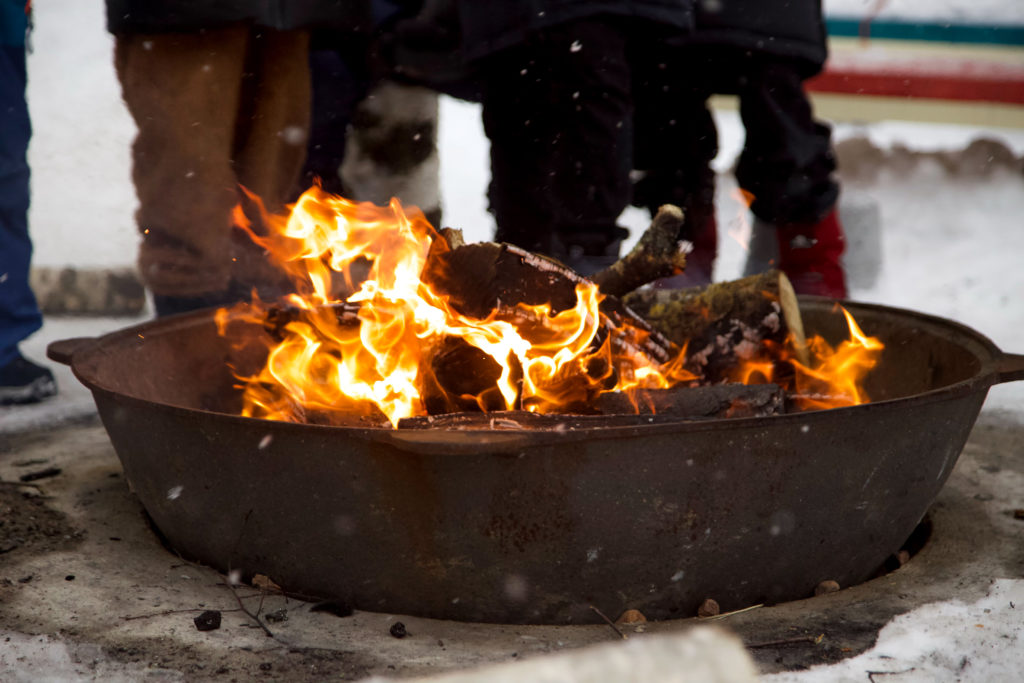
column 214, row 110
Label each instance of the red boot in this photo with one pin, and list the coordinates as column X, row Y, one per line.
column 700, row 262
column 810, row 255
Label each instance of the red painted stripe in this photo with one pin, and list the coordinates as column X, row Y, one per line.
column 1010, row 91
column 963, row 80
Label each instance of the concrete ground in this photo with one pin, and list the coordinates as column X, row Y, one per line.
column 88, row 592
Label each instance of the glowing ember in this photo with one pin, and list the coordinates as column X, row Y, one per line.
column 374, row 342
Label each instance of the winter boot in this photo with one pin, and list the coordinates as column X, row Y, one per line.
column 811, row 256
column 700, row 262
column 22, row 381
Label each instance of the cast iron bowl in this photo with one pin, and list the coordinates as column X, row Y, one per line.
column 537, row 526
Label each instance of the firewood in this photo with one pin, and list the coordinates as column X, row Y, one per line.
column 616, row 409
column 713, row 401
column 724, row 323
column 481, row 277
column 462, row 377
column 657, row 254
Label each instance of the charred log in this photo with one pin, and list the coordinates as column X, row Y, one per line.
column 715, row 401
column 724, row 323
column 462, row 378
column 617, row 410
column 486, row 276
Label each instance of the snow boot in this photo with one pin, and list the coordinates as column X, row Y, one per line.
column 811, row 256
column 22, row 381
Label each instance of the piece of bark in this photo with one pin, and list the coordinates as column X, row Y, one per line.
column 713, row 401
column 725, row 323
column 656, row 254
column 453, row 236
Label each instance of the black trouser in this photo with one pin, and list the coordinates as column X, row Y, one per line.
column 787, row 160
column 340, row 78
column 558, row 112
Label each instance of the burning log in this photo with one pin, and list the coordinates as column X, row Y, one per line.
column 483, row 277
column 617, row 409
column 724, row 323
column 655, row 255
column 714, row 401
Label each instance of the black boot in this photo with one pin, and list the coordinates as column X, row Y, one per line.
column 22, row 381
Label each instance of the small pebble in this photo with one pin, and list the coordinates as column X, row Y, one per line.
column 398, row 630
column 826, row 587
column 903, row 557
column 208, row 620
column 709, row 608
column 277, row 616
column 631, row 616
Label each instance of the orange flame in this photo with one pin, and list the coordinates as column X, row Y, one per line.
column 833, row 378
column 327, row 364
column 370, row 343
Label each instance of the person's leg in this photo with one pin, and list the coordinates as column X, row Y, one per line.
column 183, row 90
column 675, row 141
column 340, row 80
column 20, row 380
column 787, row 165
column 269, row 149
column 787, row 162
column 558, row 112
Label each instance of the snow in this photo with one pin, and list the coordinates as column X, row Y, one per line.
column 945, row 641
column 940, row 11
column 951, row 246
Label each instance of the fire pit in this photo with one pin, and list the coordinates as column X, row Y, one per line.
column 515, row 525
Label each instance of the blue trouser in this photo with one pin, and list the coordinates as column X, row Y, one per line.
column 19, row 313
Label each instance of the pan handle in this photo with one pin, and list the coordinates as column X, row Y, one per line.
column 62, row 350
column 1010, row 368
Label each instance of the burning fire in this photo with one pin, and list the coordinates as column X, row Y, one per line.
column 365, row 332
column 832, row 379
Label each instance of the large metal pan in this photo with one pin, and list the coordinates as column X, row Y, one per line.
column 537, row 526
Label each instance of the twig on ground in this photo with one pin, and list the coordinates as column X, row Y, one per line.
column 172, row 611
column 609, row 622
column 814, row 640
column 248, row 613
column 734, row 612
column 872, row 674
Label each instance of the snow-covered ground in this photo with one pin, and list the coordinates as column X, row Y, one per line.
column 951, row 243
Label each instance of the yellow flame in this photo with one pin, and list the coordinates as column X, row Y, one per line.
column 545, row 360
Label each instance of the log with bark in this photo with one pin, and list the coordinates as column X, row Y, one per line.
column 725, row 323
column 657, row 254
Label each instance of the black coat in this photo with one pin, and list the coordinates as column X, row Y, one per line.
column 787, row 28
column 166, row 16
column 491, row 25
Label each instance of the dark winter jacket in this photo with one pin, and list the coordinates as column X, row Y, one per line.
column 491, row 25
column 787, row 28
column 165, row 16
column 13, row 22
